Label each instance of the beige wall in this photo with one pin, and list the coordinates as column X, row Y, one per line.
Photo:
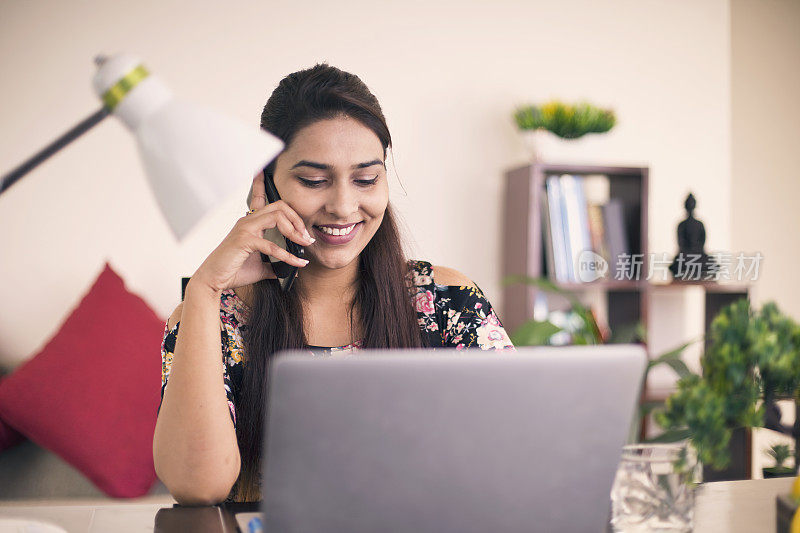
column 447, row 73
column 765, row 117
column 765, row 82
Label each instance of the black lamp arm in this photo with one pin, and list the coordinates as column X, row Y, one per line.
column 84, row 126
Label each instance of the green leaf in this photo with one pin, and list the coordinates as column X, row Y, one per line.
column 645, row 408
column 677, row 351
column 675, row 363
column 534, row 333
column 679, row 367
column 591, row 332
column 628, row 334
column 673, row 359
column 579, row 340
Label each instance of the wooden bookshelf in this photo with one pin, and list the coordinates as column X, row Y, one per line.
column 627, row 301
column 523, row 244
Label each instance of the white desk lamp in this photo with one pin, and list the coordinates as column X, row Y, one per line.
column 194, row 157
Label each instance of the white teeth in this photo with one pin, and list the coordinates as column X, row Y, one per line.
column 337, row 231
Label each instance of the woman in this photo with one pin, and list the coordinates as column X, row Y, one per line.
column 356, row 290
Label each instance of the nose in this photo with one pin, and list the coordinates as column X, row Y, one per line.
column 342, row 201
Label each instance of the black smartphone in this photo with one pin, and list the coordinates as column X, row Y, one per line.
column 284, row 271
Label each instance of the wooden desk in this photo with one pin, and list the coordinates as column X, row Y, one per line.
column 726, row 506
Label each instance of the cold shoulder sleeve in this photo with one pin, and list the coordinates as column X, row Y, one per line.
column 455, row 316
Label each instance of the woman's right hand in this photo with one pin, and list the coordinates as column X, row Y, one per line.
column 236, row 262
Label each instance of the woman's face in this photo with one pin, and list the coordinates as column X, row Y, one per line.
column 333, row 175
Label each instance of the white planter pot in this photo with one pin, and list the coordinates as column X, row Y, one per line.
column 543, row 145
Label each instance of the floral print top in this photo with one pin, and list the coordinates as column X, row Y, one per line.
column 449, row 316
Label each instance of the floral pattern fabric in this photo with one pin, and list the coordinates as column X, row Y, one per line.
column 449, row 316
column 455, row 316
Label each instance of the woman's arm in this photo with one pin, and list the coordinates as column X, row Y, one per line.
column 195, row 450
column 194, row 447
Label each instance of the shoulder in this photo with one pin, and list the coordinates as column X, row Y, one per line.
column 451, row 277
column 422, row 273
column 233, row 309
column 175, row 317
column 244, row 294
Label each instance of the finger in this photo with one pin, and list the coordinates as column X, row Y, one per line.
column 268, row 216
column 270, row 248
column 289, row 231
column 257, row 197
column 295, row 220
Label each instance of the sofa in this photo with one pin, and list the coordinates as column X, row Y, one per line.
column 30, row 472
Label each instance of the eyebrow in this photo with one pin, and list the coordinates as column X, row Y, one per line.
column 323, row 166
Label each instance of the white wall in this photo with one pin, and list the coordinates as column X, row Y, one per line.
column 448, row 75
column 765, row 81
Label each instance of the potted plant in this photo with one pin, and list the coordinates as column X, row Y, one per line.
column 752, row 359
column 779, row 453
column 546, row 126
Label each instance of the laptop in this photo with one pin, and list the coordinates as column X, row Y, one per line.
column 447, row 441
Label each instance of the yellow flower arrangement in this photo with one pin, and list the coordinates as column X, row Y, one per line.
column 569, row 121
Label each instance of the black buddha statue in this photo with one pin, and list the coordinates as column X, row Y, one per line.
column 692, row 262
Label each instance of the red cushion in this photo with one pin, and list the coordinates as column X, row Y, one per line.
column 92, row 393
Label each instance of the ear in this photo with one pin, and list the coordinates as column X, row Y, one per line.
column 249, row 196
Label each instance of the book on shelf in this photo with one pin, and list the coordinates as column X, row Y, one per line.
column 597, row 231
column 547, row 242
column 555, row 222
column 616, row 237
column 576, row 231
column 571, row 225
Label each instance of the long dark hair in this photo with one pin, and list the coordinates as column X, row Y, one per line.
column 382, row 301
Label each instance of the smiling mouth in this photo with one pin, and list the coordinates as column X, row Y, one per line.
column 338, row 229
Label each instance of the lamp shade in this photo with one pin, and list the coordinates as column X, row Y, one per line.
column 194, row 157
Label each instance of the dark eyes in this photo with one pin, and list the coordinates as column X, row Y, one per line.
column 366, row 182
column 311, row 183
column 316, row 183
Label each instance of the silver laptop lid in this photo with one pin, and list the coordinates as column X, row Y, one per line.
column 447, row 441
